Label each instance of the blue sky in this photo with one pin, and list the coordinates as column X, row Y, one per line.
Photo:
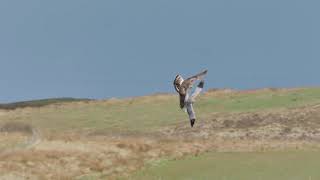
column 113, row 48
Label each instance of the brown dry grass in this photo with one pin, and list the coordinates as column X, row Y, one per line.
column 109, row 157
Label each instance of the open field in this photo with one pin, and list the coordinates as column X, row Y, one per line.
column 114, row 138
column 293, row 165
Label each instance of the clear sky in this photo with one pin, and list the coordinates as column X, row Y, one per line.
column 115, row 48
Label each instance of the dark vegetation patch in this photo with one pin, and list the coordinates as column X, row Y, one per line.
column 40, row 103
column 16, row 127
column 249, row 121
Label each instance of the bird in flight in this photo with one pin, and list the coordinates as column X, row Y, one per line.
column 187, row 98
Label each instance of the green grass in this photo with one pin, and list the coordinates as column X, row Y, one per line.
column 150, row 113
column 261, row 100
column 287, row 165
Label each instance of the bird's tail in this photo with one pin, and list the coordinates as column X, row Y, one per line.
column 182, row 100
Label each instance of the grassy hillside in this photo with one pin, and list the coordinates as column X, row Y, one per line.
column 105, row 139
column 152, row 112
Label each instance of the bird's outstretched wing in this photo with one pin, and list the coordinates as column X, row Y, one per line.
column 188, row 83
column 196, row 77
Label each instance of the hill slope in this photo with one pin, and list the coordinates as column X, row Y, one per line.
column 108, row 138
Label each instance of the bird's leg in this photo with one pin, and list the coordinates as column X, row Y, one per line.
column 191, row 113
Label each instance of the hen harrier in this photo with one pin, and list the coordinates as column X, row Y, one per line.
column 183, row 87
